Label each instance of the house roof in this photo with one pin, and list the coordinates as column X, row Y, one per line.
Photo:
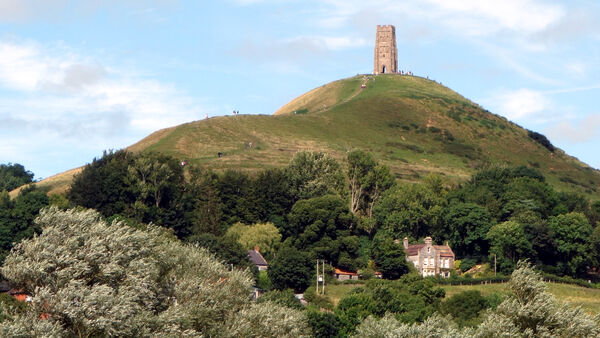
column 413, row 250
column 257, row 258
column 343, row 272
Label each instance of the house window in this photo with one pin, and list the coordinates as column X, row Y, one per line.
column 431, row 261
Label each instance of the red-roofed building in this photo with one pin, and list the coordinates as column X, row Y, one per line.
column 345, row 275
column 429, row 259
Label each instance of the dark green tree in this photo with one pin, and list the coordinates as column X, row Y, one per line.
column 272, row 196
column 202, row 204
column 324, row 227
column 291, row 269
column 466, row 228
column 235, row 191
column 571, row 234
column 102, row 185
column 17, row 217
column 13, row 176
column 465, row 307
column 324, row 324
column 525, row 193
column 389, row 257
column 411, row 210
column 509, row 244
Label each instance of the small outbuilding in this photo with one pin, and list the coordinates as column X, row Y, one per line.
column 345, row 275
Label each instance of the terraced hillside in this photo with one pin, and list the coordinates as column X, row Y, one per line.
column 414, row 125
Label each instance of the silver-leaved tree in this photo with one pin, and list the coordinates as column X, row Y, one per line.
column 88, row 278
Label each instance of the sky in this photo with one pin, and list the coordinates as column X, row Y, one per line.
column 80, row 77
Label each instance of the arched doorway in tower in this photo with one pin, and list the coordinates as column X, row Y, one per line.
column 383, row 71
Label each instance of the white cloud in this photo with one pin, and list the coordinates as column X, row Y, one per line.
column 520, row 104
column 53, row 99
column 576, row 132
column 467, row 17
column 481, row 17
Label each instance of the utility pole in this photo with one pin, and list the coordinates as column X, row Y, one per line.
column 494, row 265
column 317, row 290
column 321, row 276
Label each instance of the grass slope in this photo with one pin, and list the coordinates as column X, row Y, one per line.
column 414, row 125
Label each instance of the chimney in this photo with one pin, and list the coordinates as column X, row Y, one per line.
column 256, row 248
column 405, row 243
column 428, row 241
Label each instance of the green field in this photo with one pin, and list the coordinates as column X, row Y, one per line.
column 587, row 299
column 413, row 125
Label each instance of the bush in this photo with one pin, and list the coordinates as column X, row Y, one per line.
column 541, row 139
column 465, row 307
column 284, row 298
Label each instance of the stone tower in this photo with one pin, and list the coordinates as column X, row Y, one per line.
column 386, row 52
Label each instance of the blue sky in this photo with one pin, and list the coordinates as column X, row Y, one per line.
column 79, row 77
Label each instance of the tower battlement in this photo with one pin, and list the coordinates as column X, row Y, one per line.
column 386, row 52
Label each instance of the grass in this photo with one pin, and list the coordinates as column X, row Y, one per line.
column 394, row 118
column 336, row 292
column 588, row 299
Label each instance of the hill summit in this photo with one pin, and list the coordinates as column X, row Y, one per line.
column 412, row 124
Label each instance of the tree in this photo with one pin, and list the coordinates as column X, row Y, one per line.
column 571, row 233
column 263, row 235
column 273, row 198
column 526, row 193
column 466, row 228
column 324, row 324
column 90, row 278
column 360, row 164
column 13, row 176
column 291, row 269
column 411, row 210
column 465, row 306
column 156, row 181
column 389, row 257
column 226, row 249
column 202, row 204
column 313, row 174
column 235, row 189
column 102, row 184
column 367, row 181
column 16, row 216
column 509, row 243
column 539, row 235
column 324, row 227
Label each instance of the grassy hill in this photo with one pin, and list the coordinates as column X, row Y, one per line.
column 414, row 125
